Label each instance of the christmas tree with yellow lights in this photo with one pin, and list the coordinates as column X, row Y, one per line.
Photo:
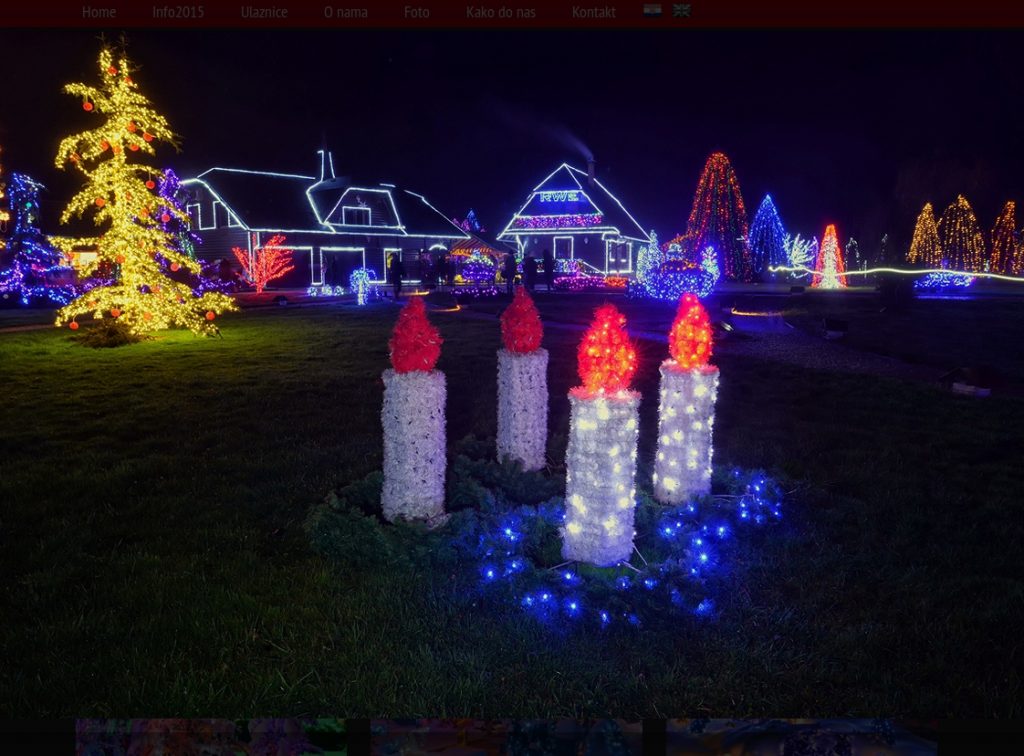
column 925, row 247
column 120, row 194
column 1005, row 246
column 963, row 247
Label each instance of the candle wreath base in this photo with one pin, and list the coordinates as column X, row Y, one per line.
column 686, row 417
column 523, row 407
column 502, row 545
column 414, row 446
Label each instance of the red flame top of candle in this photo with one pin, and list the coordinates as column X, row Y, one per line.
column 521, row 329
column 607, row 359
column 415, row 344
column 689, row 341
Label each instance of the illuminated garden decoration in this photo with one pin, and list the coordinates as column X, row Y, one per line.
column 829, row 267
column 800, row 253
column 767, row 238
column 522, row 385
column 718, row 218
column 1005, row 246
column 265, row 263
column 963, row 247
column 120, row 194
column 361, row 282
column 686, row 411
column 34, row 268
column 601, row 455
column 413, row 420
column 648, row 260
column 925, row 247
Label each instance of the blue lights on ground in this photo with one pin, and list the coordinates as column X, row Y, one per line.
column 683, row 551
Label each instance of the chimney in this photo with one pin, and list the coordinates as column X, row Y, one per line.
column 590, row 171
column 326, row 163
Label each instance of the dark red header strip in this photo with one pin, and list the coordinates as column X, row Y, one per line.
column 426, row 14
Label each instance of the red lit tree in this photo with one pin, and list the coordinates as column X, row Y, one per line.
column 718, row 218
column 829, row 267
column 689, row 341
column 1005, row 248
column 607, row 358
column 265, row 263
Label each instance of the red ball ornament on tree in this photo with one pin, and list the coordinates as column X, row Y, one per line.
column 521, row 329
column 115, row 312
column 210, row 314
column 100, row 202
column 166, row 217
column 132, row 127
column 133, row 147
column 73, row 325
column 151, row 184
column 415, row 344
column 689, row 341
column 607, row 359
column 120, row 259
column 87, row 106
column 147, row 136
column 147, row 316
column 111, row 70
column 104, row 144
column 175, row 267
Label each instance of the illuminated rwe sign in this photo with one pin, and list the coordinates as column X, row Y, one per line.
column 559, row 196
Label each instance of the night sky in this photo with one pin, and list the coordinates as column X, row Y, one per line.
column 859, row 128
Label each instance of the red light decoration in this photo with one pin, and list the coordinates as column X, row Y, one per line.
column 115, row 312
column 607, row 359
column 718, row 218
column 829, row 268
column 87, row 106
column 73, row 325
column 521, row 329
column 210, row 314
column 268, row 263
column 415, row 344
column 151, row 184
column 689, row 341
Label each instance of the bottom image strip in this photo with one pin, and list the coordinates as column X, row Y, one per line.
column 506, row 737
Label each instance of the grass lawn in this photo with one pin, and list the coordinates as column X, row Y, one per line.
column 156, row 565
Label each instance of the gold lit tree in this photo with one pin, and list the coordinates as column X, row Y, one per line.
column 925, row 247
column 120, row 194
column 1005, row 247
column 963, row 246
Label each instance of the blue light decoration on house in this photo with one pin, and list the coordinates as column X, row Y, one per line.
column 687, row 553
column 767, row 238
column 669, row 271
column 938, row 281
column 36, row 269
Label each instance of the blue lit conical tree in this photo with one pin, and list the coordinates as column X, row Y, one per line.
column 767, row 238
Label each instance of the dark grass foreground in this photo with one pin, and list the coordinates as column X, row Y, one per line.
column 155, row 561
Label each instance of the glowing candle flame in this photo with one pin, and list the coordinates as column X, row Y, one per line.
column 689, row 341
column 415, row 344
column 521, row 329
column 607, row 359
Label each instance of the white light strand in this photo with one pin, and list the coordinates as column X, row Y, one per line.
column 601, row 477
column 523, row 407
column 900, row 271
column 686, row 417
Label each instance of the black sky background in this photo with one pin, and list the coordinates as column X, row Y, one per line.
column 854, row 127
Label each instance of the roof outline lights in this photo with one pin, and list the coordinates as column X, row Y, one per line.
column 607, row 191
column 536, row 190
column 391, row 201
column 460, row 235
column 256, row 173
column 218, row 198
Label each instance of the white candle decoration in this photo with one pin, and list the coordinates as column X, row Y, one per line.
column 523, row 407
column 601, row 477
column 686, row 416
column 414, row 446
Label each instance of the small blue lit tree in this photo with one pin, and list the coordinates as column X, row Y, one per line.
column 767, row 238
